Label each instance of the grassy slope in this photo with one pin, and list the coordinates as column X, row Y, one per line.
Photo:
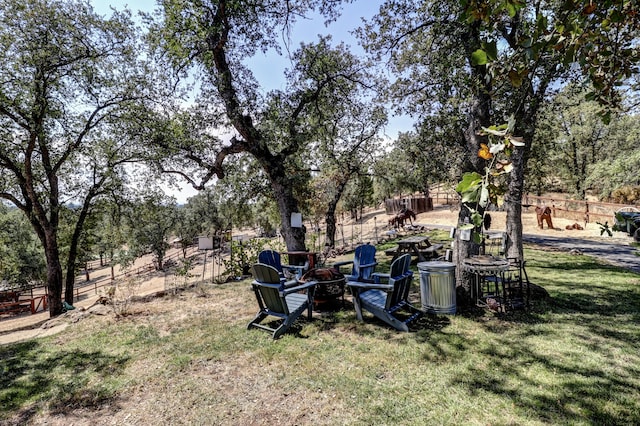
column 187, row 359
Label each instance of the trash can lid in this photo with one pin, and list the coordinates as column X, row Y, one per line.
column 436, row 265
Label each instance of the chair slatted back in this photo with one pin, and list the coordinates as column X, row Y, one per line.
column 364, row 254
column 268, row 288
column 271, row 258
column 400, row 276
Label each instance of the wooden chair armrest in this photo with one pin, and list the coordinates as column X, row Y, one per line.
column 303, row 286
column 377, row 276
column 369, row 286
column 291, row 283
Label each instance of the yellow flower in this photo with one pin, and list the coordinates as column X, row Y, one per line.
column 484, row 152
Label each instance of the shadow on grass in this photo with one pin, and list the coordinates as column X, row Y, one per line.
column 32, row 375
column 568, row 341
column 595, row 394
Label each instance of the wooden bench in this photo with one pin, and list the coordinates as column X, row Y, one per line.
column 427, row 252
column 391, row 251
column 431, row 251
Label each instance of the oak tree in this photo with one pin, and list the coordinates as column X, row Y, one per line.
column 67, row 78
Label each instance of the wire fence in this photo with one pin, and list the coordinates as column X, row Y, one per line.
column 34, row 299
column 93, row 286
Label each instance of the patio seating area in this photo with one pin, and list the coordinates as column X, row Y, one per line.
column 498, row 284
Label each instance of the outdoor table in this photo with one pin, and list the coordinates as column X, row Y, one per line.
column 486, row 270
column 416, row 246
column 302, row 261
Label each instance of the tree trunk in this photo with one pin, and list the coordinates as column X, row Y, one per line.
column 513, row 206
column 294, row 238
column 330, row 217
column 479, row 116
column 73, row 247
column 54, row 273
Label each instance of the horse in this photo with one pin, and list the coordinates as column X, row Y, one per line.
column 544, row 214
column 399, row 219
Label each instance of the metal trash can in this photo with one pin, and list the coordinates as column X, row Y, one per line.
column 438, row 287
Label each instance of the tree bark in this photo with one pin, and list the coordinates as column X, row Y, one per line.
column 294, row 237
column 513, row 206
column 479, row 116
column 70, row 279
column 54, row 273
column 330, row 217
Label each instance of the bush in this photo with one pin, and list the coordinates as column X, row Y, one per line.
column 626, row 195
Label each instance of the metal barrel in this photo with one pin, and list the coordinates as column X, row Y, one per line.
column 438, row 287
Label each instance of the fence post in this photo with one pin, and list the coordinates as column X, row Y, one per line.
column 586, row 213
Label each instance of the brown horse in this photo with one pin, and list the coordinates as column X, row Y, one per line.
column 544, row 214
column 399, row 219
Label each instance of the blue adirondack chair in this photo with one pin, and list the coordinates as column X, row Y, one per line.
column 386, row 297
column 363, row 264
column 284, row 300
column 273, row 258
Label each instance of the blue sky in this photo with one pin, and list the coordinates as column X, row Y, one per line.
column 269, row 69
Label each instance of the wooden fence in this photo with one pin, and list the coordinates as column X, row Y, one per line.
column 15, row 302
column 35, row 299
column 578, row 210
column 417, row 204
column 84, row 289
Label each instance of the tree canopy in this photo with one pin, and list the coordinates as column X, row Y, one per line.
column 80, row 103
column 67, row 81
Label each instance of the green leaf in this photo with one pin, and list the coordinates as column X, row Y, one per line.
column 491, row 50
column 515, row 78
column 479, row 57
column 477, row 238
column 476, row 219
column 469, row 187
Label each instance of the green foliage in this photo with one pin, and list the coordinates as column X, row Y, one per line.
column 71, row 86
column 243, row 255
column 470, row 187
column 575, row 139
column 277, row 129
column 358, row 195
column 22, row 261
column 571, row 34
column 151, row 219
column 605, row 228
column 478, row 191
column 626, row 195
column 419, row 159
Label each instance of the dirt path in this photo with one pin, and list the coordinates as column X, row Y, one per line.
column 588, row 241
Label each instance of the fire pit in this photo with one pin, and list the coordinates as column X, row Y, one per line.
column 330, row 284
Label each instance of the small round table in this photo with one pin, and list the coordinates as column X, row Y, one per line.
column 487, row 270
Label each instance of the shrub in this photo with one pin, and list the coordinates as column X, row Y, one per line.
column 626, row 195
